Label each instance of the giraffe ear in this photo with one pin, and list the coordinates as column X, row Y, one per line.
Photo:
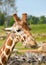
column 8, row 29
column 24, row 17
column 16, row 18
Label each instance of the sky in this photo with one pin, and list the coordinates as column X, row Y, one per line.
column 31, row 7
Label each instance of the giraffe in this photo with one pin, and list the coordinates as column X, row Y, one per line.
column 7, row 47
column 26, row 37
column 19, row 32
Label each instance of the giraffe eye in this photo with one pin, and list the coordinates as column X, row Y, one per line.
column 18, row 30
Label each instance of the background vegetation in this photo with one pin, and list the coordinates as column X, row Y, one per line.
column 31, row 20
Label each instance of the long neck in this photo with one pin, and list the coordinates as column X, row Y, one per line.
column 7, row 49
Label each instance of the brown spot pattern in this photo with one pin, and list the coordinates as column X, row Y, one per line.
column 0, row 51
column 0, row 64
column 7, row 51
column 24, row 37
column 4, row 59
column 9, row 43
column 3, row 47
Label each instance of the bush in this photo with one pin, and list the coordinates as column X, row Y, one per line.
column 11, row 21
column 2, row 18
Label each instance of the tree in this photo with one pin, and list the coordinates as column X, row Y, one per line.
column 2, row 18
column 42, row 20
column 29, row 19
column 11, row 21
column 33, row 20
column 7, row 6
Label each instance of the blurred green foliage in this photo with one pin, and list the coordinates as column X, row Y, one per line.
column 31, row 20
column 11, row 21
column 36, row 20
column 2, row 18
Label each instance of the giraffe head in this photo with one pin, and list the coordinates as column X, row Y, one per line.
column 21, row 29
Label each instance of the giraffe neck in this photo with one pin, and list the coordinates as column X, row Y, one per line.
column 7, row 49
